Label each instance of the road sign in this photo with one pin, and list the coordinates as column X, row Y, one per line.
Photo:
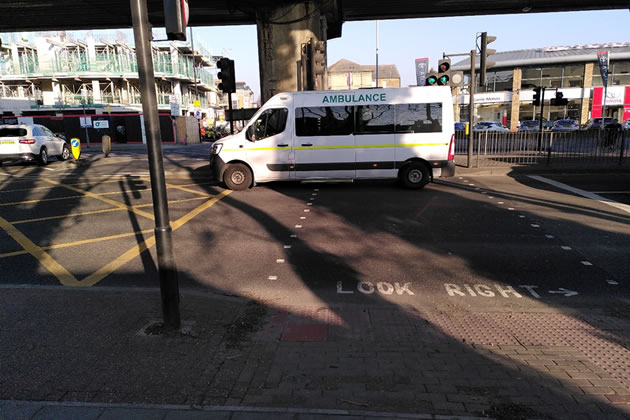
column 101, row 124
column 76, row 148
column 198, row 115
column 197, row 103
column 175, row 112
column 86, row 122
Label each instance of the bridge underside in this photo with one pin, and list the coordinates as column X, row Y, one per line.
column 50, row 15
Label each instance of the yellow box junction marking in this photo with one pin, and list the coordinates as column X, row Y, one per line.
column 63, row 275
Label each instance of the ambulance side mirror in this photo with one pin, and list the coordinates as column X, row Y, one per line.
column 249, row 134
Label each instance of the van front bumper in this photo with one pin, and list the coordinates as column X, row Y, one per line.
column 217, row 166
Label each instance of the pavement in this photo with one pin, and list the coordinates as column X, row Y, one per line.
column 101, row 353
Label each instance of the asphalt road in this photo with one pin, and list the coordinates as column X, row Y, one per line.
column 544, row 242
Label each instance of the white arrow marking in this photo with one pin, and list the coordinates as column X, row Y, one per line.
column 565, row 292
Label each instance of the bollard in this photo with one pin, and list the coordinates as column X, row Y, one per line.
column 106, row 142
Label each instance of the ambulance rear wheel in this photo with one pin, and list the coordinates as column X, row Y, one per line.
column 414, row 175
column 238, row 177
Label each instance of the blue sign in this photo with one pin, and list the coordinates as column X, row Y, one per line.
column 75, row 143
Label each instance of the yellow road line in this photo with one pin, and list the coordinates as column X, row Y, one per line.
column 52, row 186
column 105, row 200
column 85, row 213
column 63, row 275
column 114, row 265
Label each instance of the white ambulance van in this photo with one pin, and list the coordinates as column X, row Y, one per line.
column 405, row 133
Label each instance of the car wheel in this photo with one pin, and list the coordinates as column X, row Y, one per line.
column 414, row 175
column 42, row 160
column 65, row 152
column 238, row 177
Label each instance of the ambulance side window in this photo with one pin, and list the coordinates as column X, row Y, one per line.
column 324, row 121
column 419, row 118
column 269, row 123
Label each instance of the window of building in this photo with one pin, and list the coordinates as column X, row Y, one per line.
column 621, row 73
column 573, row 76
column 419, row 118
column 324, row 121
column 270, row 123
column 375, row 119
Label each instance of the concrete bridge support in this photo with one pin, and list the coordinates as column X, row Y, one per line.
column 281, row 33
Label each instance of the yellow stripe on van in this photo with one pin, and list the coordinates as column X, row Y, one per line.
column 360, row 146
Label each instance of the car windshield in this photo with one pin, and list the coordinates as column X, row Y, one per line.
column 12, row 132
column 565, row 122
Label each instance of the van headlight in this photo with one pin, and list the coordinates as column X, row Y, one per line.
column 216, row 148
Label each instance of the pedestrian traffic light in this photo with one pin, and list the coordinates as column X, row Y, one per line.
column 227, row 76
column 485, row 52
column 536, row 100
column 176, row 19
column 432, row 79
column 318, row 60
column 559, row 100
column 444, row 72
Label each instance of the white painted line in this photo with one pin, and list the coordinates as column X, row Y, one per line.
column 272, row 277
column 314, row 194
column 316, row 189
column 521, row 216
column 287, row 247
column 471, row 184
column 460, row 177
column 586, row 263
column 294, row 236
column 500, row 202
column 549, row 236
column 280, row 261
column 592, row 196
column 302, row 217
column 49, row 169
column 566, row 248
column 298, row 226
column 611, row 282
column 311, row 198
column 477, row 188
column 490, row 196
column 510, row 208
column 535, row 226
column 306, row 210
column 610, row 192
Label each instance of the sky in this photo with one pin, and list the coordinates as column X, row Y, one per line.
column 402, row 41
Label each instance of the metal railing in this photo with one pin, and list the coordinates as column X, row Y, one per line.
column 584, row 147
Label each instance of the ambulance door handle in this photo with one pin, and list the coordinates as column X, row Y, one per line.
column 283, row 145
column 307, row 144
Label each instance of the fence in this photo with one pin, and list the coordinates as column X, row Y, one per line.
column 583, row 147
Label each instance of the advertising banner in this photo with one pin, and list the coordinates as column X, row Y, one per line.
column 602, row 59
column 422, row 67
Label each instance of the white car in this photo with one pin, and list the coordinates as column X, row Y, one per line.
column 490, row 126
column 28, row 142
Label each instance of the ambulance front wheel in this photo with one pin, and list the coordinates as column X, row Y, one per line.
column 414, row 175
column 238, row 177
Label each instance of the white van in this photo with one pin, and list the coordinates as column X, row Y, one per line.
column 405, row 133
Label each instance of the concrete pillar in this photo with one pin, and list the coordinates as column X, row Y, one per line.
column 456, row 104
column 586, row 92
column 96, row 92
column 517, row 76
column 279, row 43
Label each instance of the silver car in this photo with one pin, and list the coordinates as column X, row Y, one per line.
column 490, row 126
column 28, row 142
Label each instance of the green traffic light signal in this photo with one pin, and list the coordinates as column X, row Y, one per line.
column 443, row 80
column 431, row 80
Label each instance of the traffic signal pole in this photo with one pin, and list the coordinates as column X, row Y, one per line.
column 169, row 284
column 472, row 108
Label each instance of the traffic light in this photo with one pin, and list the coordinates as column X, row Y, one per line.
column 318, row 60
column 485, row 52
column 432, row 79
column 559, row 100
column 227, row 76
column 444, row 72
column 536, row 100
column 176, row 19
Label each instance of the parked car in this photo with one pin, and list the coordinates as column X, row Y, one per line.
column 490, row 126
column 530, row 125
column 459, row 126
column 28, row 142
column 565, row 125
column 597, row 122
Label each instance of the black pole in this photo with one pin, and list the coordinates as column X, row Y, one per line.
column 471, row 105
column 542, row 115
column 169, row 286
column 231, row 116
